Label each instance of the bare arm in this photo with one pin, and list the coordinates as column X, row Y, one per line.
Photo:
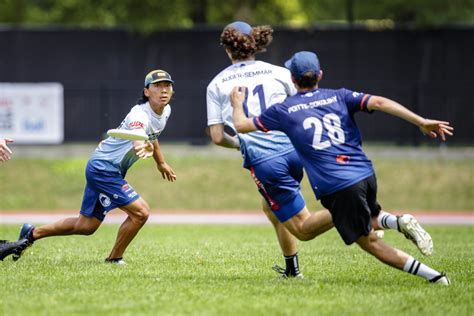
column 429, row 127
column 242, row 123
column 166, row 171
column 221, row 138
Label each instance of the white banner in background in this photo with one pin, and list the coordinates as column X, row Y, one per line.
column 32, row 113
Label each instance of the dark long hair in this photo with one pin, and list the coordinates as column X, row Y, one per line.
column 143, row 98
column 243, row 46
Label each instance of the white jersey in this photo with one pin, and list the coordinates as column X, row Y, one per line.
column 267, row 84
column 115, row 154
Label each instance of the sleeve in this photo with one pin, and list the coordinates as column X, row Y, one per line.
column 137, row 118
column 356, row 101
column 214, row 111
column 284, row 77
column 268, row 120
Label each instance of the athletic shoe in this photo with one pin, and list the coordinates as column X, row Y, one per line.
column 441, row 279
column 409, row 226
column 379, row 233
column 285, row 274
column 7, row 247
column 117, row 261
column 25, row 233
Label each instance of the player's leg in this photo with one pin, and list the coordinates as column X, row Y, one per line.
column 306, row 226
column 138, row 213
column 352, row 210
column 399, row 259
column 286, row 240
column 278, row 186
column 408, row 225
column 288, row 245
column 80, row 225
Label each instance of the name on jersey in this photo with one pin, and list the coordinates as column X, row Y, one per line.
column 135, row 124
column 313, row 104
column 247, row 74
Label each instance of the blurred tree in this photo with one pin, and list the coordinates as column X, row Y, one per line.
column 149, row 15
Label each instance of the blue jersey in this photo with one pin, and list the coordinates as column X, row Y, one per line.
column 321, row 126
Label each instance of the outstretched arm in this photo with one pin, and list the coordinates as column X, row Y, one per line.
column 242, row 123
column 429, row 127
column 166, row 171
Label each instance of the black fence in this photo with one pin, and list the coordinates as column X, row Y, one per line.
column 429, row 71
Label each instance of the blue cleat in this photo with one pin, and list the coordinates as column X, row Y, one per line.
column 25, row 233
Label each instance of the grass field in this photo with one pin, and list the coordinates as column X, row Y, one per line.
column 220, row 183
column 226, row 270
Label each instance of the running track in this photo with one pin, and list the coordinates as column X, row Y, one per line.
column 115, row 217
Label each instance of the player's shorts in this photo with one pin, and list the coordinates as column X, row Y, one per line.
column 278, row 181
column 352, row 209
column 105, row 190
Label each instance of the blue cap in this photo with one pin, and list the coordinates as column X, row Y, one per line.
column 242, row 27
column 157, row 76
column 303, row 63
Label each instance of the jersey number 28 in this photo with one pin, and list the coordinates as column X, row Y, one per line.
column 332, row 123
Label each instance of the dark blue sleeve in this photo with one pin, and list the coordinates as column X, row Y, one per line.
column 268, row 120
column 356, row 101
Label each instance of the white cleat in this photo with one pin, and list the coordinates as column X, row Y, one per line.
column 441, row 279
column 412, row 230
column 379, row 233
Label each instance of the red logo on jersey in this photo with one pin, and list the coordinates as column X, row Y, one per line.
column 125, row 187
column 135, row 124
column 342, row 159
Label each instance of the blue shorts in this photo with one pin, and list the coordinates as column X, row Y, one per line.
column 105, row 190
column 278, row 181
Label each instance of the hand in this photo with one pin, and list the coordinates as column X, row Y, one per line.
column 433, row 128
column 166, row 171
column 5, row 152
column 143, row 150
column 237, row 96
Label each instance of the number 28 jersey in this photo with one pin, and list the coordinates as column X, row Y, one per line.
column 266, row 85
column 321, row 126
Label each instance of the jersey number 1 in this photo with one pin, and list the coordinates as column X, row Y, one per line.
column 261, row 99
column 332, row 123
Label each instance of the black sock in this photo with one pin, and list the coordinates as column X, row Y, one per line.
column 292, row 266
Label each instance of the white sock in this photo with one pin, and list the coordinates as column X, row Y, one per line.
column 387, row 221
column 415, row 267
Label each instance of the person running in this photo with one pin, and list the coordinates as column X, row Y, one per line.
column 321, row 126
column 5, row 152
column 106, row 188
column 270, row 157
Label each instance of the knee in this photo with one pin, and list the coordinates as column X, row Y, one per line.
column 86, row 230
column 301, row 236
column 369, row 243
column 141, row 216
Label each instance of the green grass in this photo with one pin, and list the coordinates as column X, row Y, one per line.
column 225, row 270
column 220, row 183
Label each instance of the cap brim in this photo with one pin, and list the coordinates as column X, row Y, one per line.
column 163, row 79
column 288, row 63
